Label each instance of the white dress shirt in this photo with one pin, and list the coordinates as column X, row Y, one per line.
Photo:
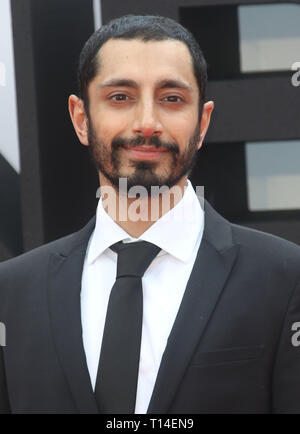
column 178, row 233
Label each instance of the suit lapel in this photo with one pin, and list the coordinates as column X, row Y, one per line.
column 65, row 271
column 215, row 259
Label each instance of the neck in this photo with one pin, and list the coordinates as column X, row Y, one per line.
column 137, row 214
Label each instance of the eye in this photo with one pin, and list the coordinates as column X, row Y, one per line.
column 173, row 99
column 119, row 97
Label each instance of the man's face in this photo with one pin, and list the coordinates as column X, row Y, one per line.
column 143, row 121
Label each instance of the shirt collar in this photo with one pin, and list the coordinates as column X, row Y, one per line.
column 176, row 232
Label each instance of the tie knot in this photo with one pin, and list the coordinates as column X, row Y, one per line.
column 134, row 258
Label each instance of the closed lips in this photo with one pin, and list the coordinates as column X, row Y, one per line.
column 145, row 148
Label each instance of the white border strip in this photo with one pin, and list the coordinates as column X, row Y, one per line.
column 97, row 14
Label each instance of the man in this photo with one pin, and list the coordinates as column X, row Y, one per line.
column 212, row 324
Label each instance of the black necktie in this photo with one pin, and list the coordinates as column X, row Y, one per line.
column 120, row 351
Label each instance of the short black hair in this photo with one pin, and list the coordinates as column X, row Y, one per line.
column 145, row 28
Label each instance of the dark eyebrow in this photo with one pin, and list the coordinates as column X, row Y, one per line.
column 171, row 84
column 119, row 82
column 162, row 84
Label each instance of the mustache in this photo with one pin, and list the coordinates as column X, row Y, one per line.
column 119, row 142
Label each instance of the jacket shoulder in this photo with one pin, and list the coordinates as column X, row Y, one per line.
column 38, row 257
column 267, row 248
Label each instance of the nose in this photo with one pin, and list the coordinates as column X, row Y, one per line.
column 146, row 120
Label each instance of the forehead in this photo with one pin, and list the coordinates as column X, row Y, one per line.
column 149, row 60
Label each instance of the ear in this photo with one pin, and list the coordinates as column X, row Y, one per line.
column 79, row 118
column 205, row 120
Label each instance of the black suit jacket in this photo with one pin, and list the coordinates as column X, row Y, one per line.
column 230, row 349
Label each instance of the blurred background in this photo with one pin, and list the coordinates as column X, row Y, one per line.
column 249, row 164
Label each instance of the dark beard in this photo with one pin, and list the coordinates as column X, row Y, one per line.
column 144, row 174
